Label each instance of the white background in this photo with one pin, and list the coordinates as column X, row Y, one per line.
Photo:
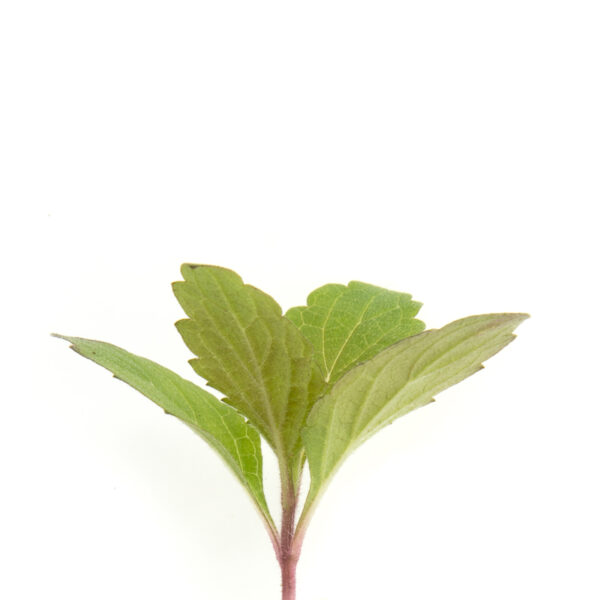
column 446, row 149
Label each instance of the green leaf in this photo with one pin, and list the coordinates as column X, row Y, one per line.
column 221, row 426
column 350, row 324
column 399, row 379
column 246, row 349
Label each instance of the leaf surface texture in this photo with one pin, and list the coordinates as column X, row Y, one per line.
column 246, row 349
column 225, row 430
column 350, row 324
column 399, row 379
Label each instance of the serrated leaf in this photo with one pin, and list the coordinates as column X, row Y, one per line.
column 399, row 379
column 226, row 431
column 246, row 349
column 351, row 324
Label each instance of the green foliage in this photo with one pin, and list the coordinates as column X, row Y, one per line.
column 221, row 426
column 246, row 349
column 399, row 379
column 315, row 383
column 350, row 324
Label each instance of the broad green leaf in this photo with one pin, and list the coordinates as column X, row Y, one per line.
column 350, row 324
column 246, row 349
column 221, row 426
column 399, row 379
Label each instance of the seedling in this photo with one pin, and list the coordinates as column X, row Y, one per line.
column 315, row 383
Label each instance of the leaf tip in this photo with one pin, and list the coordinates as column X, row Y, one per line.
column 187, row 268
column 72, row 341
column 517, row 318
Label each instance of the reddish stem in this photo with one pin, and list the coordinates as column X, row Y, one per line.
column 288, row 579
column 289, row 552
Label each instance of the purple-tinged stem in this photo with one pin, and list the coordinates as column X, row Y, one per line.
column 288, row 579
column 289, row 549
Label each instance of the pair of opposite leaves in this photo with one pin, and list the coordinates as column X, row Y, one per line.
column 315, row 383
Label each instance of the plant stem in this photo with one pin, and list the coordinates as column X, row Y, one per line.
column 289, row 551
column 288, row 579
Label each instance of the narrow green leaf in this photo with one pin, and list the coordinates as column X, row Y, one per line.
column 221, row 426
column 351, row 324
column 246, row 349
column 399, row 379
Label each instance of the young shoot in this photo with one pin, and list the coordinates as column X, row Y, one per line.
column 314, row 383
